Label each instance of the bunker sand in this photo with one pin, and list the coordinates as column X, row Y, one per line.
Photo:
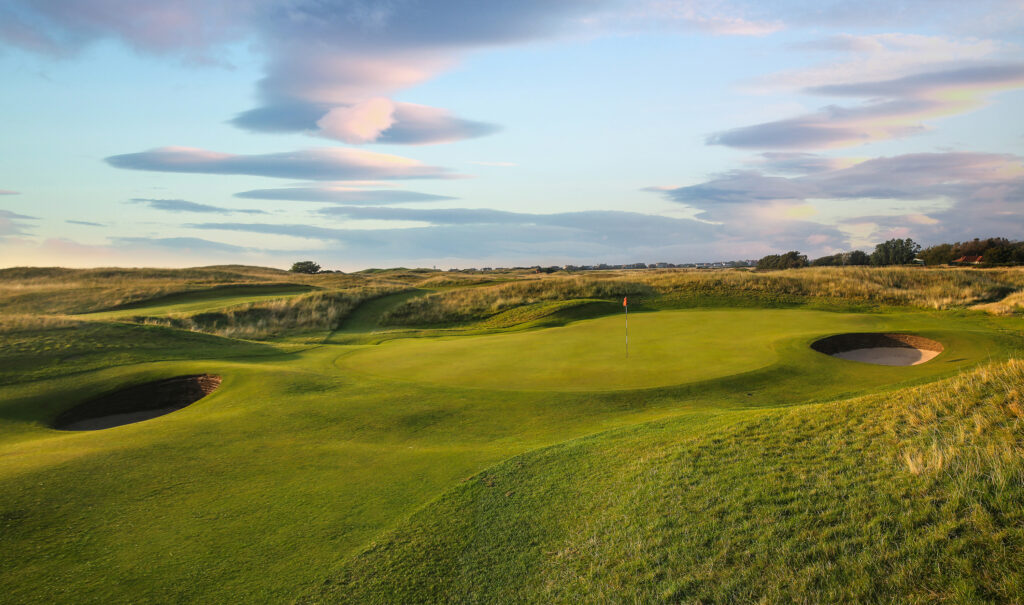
column 880, row 349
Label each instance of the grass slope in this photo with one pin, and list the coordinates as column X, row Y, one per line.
column 307, row 455
column 666, row 348
column 911, row 498
column 210, row 299
column 34, row 348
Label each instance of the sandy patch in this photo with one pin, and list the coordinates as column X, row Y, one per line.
column 879, row 348
column 889, row 356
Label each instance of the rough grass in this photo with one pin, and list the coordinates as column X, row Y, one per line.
column 1010, row 305
column 910, row 286
column 37, row 347
column 864, row 286
column 68, row 291
column 477, row 303
column 911, row 498
column 317, row 311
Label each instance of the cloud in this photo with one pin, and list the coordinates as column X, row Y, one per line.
column 342, row 195
column 393, row 122
column 966, row 194
column 898, row 108
column 797, row 163
column 60, row 29
column 975, row 18
column 511, row 237
column 900, row 81
column 183, row 245
column 333, row 67
column 325, row 163
column 877, row 57
column 12, row 223
column 9, row 192
column 687, row 15
column 981, row 78
column 187, row 206
column 484, row 233
column 85, row 223
column 360, row 123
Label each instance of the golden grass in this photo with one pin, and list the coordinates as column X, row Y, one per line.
column 475, row 303
column 915, row 286
column 58, row 290
column 973, row 424
column 897, row 286
column 316, row 311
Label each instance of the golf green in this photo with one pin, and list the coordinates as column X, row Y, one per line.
column 665, row 348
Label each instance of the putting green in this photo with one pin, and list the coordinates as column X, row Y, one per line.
column 665, row 348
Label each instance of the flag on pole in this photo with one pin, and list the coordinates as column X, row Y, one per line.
column 624, row 298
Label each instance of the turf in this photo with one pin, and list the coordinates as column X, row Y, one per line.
column 666, row 348
column 324, row 473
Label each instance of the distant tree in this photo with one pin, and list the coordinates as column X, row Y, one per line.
column 828, row 261
column 999, row 255
column 895, row 252
column 305, row 266
column 938, row 255
column 857, row 257
column 789, row 260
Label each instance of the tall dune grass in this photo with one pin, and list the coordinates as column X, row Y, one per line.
column 58, row 290
column 478, row 303
column 897, row 286
column 913, row 286
column 324, row 310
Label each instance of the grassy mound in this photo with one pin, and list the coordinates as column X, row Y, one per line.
column 911, row 498
column 35, row 347
column 670, row 347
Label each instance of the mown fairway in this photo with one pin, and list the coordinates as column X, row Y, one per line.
column 724, row 461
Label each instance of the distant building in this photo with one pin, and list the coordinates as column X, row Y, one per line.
column 966, row 260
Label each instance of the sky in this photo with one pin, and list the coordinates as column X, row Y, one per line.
column 461, row 133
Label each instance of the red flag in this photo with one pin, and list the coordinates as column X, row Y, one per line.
column 624, row 301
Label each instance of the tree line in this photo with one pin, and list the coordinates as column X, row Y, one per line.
column 991, row 251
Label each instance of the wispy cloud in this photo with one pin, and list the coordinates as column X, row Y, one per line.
column 84, row 223
column 9, row 192
column 12, row 223
column 716, row 18
column 785, row 162
column 185, row 245
column 187, row 206
column 978, row 193
column 897, row 108
column 594, row 236
column 326, row 163
column 342, row 195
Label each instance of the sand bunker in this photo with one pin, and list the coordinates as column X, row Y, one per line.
column 137, row 403
column 880, row 349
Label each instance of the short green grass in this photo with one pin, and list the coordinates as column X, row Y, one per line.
column 666, row 348
column 334, row 473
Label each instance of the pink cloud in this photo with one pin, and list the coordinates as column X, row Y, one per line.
column 325, row 163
